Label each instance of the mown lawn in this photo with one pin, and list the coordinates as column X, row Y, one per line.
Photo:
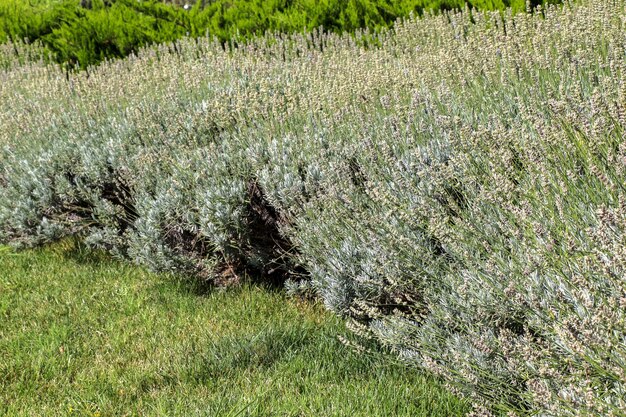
column 83, row 335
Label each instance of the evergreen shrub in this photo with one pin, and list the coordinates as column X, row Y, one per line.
column 83, row 33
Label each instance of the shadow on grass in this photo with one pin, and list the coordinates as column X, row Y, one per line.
column 74, row 250
column 231, row 355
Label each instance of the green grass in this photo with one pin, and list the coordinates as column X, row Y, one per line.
column 83, row 335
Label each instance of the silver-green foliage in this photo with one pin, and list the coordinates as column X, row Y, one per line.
column 457, row 192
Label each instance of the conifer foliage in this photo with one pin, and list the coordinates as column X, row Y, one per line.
column 86, row 32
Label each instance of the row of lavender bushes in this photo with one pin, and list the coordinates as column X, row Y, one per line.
column 456, row 192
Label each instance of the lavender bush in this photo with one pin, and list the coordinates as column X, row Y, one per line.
column 454, row 186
